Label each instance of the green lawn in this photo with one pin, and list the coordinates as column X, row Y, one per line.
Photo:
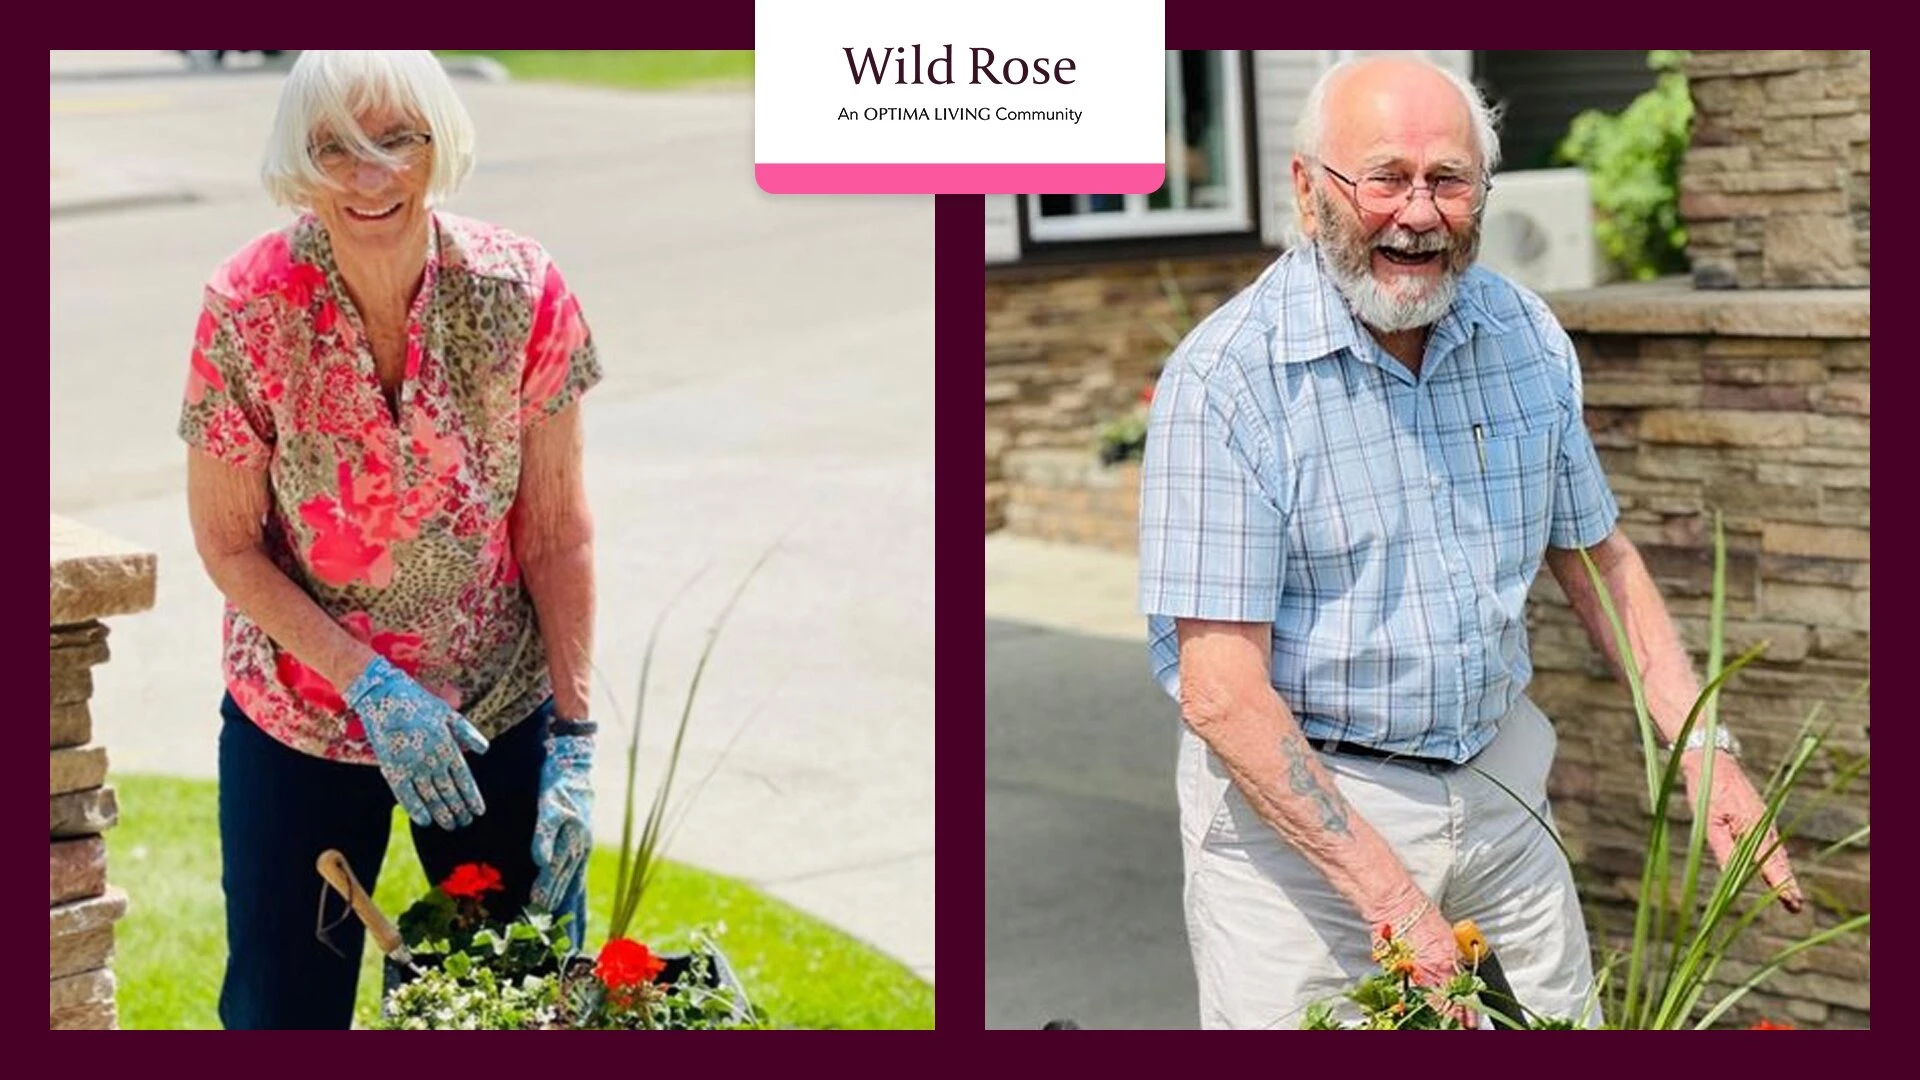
column 171, row 947
column 670, row 69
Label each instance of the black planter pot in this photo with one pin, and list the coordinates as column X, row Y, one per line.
column 679, row 969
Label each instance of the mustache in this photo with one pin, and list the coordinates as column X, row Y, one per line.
column 1406, row 241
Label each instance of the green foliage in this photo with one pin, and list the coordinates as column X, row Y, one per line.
column 1681, row 938
column 431, row 919
column 532, row 944
column 1633, row 162
column 640, row 857
column 484, row 989
column 1389, row 999
column 439, row 928
column 635, row 69
column 469, row 998
column 1173, row 333
column 1124, row 438
column 485, row 974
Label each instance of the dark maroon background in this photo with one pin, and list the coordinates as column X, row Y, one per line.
column 959, row 1047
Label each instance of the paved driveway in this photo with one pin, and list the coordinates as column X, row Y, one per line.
column 1083, row 834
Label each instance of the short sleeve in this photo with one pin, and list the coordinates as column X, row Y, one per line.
column 1584, row 509
column 1212, row 533
column 561, row 362
column 218, row 413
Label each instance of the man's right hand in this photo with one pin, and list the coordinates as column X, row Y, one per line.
column 417, row 737
column 1436, row 954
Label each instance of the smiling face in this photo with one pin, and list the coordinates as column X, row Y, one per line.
column 374, row 209
column 1400, row 269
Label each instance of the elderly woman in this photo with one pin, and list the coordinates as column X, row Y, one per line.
column 384, row 478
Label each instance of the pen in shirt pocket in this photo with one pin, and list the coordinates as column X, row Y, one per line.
column 1480, row 444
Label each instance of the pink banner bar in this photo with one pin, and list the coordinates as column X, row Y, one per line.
column 958, row 179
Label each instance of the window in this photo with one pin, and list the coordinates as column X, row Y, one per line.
column 1206, row 190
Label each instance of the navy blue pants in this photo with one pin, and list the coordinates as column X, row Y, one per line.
column 280, row 808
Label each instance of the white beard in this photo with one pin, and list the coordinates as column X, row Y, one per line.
column 1387, row 310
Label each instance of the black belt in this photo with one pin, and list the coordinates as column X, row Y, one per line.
column 1336, row 746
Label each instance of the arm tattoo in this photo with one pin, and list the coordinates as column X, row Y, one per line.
column 1333, row 810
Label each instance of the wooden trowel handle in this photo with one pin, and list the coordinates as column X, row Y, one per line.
column 333, row 866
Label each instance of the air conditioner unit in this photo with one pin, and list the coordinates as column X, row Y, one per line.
column 1538, row 230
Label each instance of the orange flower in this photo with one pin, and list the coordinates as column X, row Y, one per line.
column 470, row 880
column 1768, row 1025
column 625, row 962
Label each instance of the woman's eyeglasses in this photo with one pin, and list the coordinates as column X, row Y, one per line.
column 406, row 147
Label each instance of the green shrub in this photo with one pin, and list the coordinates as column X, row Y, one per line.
column 1633, row 161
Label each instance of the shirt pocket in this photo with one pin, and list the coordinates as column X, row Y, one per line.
column 1503, row 498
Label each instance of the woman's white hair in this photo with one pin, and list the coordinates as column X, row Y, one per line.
column 1310, row 129
column 324, row 91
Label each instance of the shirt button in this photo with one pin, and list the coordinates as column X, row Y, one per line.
column 1434, row 481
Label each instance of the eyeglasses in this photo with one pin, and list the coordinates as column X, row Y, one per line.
column 406, row 147
column 1387, row 192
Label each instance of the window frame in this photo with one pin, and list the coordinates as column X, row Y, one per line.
column 1239, row 219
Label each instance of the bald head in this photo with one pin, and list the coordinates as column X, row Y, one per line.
column 1388, row 110
column 1361, row 104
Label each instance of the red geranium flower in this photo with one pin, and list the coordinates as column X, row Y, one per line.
column 1768, row 1025
column 470, row 880
column 624, row 963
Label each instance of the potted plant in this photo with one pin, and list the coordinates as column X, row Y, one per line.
column 1389, row 1000
column 1124, row 438
column 469, row 970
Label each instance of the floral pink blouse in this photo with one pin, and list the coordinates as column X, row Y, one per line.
column 397, row 529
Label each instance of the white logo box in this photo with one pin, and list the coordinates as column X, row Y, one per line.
column 985, row 97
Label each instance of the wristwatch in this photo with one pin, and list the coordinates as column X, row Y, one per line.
column 1723, row 739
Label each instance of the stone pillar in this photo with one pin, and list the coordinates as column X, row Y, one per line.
column 1743, row 391
column 94, row 576
column 1774, row 189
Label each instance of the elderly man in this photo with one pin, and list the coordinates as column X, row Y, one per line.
column 1354, row 470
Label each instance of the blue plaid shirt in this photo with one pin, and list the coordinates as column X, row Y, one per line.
column 1387, row 525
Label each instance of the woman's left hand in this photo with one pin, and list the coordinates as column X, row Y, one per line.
column 563, row 830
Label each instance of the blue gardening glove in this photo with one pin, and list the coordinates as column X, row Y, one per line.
column 563, row 830
column 417, row 738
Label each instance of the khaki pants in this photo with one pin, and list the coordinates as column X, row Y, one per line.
column 1270, row 936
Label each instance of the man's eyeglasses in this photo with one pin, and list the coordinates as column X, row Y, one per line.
column 406, row 147
column 1387, row 192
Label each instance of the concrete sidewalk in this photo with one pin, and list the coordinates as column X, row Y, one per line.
column 82, row 189
column 1084, row 916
